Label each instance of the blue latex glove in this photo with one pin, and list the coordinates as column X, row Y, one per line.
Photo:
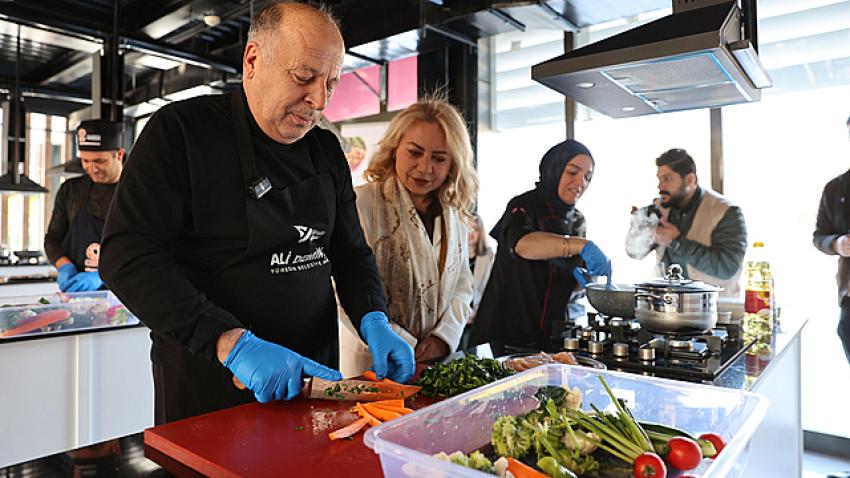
column 272, row 371
column 392, row 357
column 582, row 276
column 84, row 282
column 66, row 273
column 595, row 260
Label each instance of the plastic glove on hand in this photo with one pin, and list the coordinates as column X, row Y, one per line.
column 582, row 276
column 66, row 273
column 84, row 282
column 392, row 357
column 596, row 261
column 272, row 371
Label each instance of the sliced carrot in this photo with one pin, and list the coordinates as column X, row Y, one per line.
column 400, row 411
column 521, row 470
column 371, row 376
column 380, row 413
column 393, row 403
column 365, row 414
column 349, row 430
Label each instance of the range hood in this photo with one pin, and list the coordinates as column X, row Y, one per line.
column 698, row 58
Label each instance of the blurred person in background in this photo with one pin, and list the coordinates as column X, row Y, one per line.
column 72, row 241
column 697, row 228
column 356, row 152
column 414, row 208
column 542, row 260
column 481, row 257
column 832, row 236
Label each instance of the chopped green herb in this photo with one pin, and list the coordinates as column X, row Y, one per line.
column 299, row 428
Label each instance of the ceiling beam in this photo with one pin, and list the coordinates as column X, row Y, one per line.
column 51, row 20
column 187, row 33
column 149, row 12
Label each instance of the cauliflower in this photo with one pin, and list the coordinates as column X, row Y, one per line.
column 573, row 399
column 585, row 446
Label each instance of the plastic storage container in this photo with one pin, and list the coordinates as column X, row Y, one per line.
column 464, row 423
column 61, row 312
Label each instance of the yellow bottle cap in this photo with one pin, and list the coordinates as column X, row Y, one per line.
column 758, row 244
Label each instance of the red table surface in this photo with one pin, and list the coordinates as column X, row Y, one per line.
column 266, row 440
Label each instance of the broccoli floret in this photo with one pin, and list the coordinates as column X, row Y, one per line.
column 476, row 460
column 510, row 438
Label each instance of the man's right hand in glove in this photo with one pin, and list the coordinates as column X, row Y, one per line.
column 271, row 371
column 66, row 273
column 392, row 357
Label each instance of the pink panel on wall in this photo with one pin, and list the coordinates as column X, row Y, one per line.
column 402, row 83
column 354, row 99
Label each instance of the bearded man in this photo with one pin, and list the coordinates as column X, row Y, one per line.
column 698, row 228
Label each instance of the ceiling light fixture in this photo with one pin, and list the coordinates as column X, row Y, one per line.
column 212, row 20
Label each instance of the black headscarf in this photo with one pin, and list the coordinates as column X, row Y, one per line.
column 552, row 167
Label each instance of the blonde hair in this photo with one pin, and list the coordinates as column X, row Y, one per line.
column 460, row 186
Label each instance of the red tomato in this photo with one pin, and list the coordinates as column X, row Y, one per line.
column 649, row 465
column 715, row 440
column 683, row 453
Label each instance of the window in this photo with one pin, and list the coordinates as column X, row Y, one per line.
column 27, row 215
column 526, row 117
column 779, row 154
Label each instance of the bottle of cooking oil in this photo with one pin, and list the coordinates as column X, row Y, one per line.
column 758, row 295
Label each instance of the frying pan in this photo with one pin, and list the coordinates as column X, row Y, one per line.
column 618, row 301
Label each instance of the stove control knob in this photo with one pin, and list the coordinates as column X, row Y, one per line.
column 587, row 333
column 646, row 353
column 620, row 349
column 595, row 347
column 571, row 344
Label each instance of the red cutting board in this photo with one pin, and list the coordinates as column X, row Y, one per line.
column 266, row 440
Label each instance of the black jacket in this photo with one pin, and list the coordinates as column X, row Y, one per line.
column 834, row 221
column 525, row 298
column 179, row 213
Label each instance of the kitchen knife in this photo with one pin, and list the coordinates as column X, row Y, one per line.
column 356, row 390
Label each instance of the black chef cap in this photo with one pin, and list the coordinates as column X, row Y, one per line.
column 99, row 135
column 552, row 166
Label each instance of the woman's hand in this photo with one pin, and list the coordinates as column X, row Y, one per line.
column 430, row 349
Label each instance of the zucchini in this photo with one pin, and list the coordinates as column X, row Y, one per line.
column 660, row 434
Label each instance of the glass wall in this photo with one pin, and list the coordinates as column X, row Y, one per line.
column 27, row 215
column 778, row 155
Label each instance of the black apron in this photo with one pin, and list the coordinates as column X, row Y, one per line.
column 279, row 287
column 82, row 242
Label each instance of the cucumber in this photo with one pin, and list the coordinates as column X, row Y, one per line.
column 660, row 434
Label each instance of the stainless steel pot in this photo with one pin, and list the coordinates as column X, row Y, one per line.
column 675, row 305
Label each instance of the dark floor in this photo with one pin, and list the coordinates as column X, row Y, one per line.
column 123, row 457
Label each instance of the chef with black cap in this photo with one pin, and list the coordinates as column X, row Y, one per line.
column 72, row 242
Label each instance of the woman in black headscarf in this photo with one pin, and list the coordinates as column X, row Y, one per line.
column 543, row 257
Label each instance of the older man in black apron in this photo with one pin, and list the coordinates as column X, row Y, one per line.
column 72, row 242
column 232, row 218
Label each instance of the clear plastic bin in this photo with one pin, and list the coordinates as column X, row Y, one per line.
column 61, row 312
column 464, row 423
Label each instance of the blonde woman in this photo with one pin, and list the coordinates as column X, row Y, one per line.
column 413, row 209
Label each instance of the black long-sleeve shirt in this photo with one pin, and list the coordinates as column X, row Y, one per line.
column 70, row 200
column 179, row 213
column 833, row 222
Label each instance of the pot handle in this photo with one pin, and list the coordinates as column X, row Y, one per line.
column 645, row 295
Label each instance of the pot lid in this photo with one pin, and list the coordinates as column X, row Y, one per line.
column 676, row 282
